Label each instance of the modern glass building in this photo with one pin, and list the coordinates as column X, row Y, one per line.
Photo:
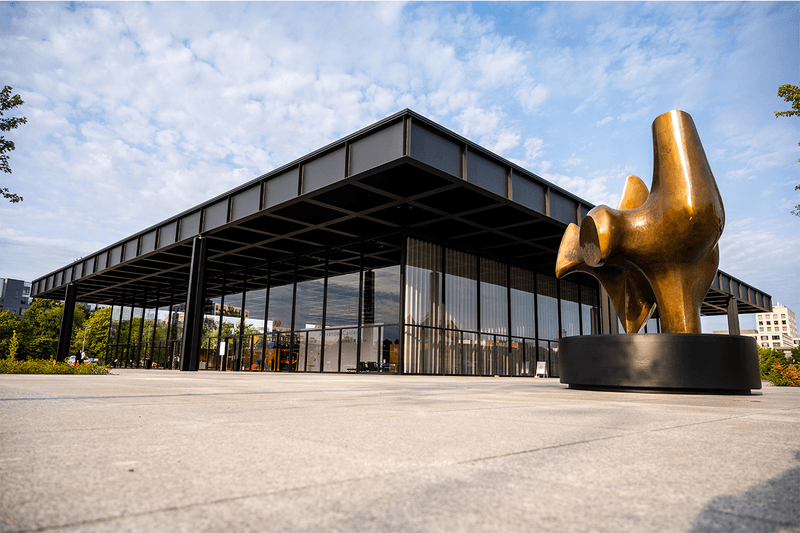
column 402, row 248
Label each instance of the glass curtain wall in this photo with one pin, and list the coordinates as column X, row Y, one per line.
column 380, row 331
column 523, row 322
column 494, row 317
column 570, row 309
column 341, row 323
column 338, row 311
column 423, row 306
column 254, row 322
column 547, row 311
column 281, row 349
column 461, row 350
column 209, row 348
column 308, row 323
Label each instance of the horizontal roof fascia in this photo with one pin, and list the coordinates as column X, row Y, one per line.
column 404, row 134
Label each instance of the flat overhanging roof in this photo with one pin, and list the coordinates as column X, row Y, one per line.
column 402, row 173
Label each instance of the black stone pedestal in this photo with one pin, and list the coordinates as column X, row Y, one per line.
column 661, row 361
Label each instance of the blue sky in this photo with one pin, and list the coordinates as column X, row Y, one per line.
column 139, row 111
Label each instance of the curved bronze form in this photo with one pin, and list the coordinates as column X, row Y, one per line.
column 627, row 287
column 663, row 249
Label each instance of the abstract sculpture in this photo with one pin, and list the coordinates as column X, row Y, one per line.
column 657, row 250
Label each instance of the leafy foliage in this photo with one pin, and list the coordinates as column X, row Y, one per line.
column 7, row 101
column 790, row 93
column 779, row 369
column 33, row 366
column 36, row 332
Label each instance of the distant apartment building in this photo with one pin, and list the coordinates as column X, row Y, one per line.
column 15, row 296
column 777, row 329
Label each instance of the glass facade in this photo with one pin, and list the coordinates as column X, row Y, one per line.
column 391, row 305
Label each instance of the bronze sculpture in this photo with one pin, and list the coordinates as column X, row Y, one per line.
column 657, row 249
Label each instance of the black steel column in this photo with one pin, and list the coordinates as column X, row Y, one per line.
column 108, row 335
column 65, row 332
column 733, row 317
column 195, row 300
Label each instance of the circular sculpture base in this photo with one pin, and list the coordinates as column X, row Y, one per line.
column 661, row 361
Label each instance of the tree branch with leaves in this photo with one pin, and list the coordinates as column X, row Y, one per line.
column 790, row 93
column 7, row 102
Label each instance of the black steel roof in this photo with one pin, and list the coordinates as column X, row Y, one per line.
column 403, row 172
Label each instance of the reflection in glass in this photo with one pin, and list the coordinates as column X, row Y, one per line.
column 523, row 303
column 590, row 311
column 570, row 311
column 548, row 306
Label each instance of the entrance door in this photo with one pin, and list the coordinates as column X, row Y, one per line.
column 229, row 353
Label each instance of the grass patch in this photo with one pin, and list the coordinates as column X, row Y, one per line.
column 46, row 366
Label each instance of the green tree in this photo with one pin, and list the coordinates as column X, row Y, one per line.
column 9, row 324
column 7, row 102
column 790, row 93
column 96, row 327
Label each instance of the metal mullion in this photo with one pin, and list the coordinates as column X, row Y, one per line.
column 130, row 330
column 219, row 327
column 558, row 297
column 141, row 332
column 402, row 322
column 241, row 321
column 169, row 327
column 536, row 317
column 359, row 318
column 508, row 308
column 266, row 319
column 155, row 324
column 443, row 311
column 324, row 315
column 119, row 327
column 294, row 306
column 339, row 366
column 482, row 359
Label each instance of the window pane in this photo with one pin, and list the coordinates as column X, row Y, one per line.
column 494, row 297
column 548, row 306
column 523, row 307
column 423, row 286
column 570, row 312
column 461, row 291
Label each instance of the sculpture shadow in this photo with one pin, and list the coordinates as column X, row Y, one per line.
column 769, row 507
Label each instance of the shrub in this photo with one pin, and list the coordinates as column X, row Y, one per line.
column 778, row 369
column 787, row 375
column 40, row 366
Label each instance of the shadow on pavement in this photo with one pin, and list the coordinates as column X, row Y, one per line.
column 770, row 507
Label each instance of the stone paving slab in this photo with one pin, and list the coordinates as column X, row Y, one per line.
column 161, row 450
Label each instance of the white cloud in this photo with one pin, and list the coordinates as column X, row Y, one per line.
column 138, row 111
column 531, row 98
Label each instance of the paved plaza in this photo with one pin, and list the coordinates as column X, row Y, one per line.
column 154, row 450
